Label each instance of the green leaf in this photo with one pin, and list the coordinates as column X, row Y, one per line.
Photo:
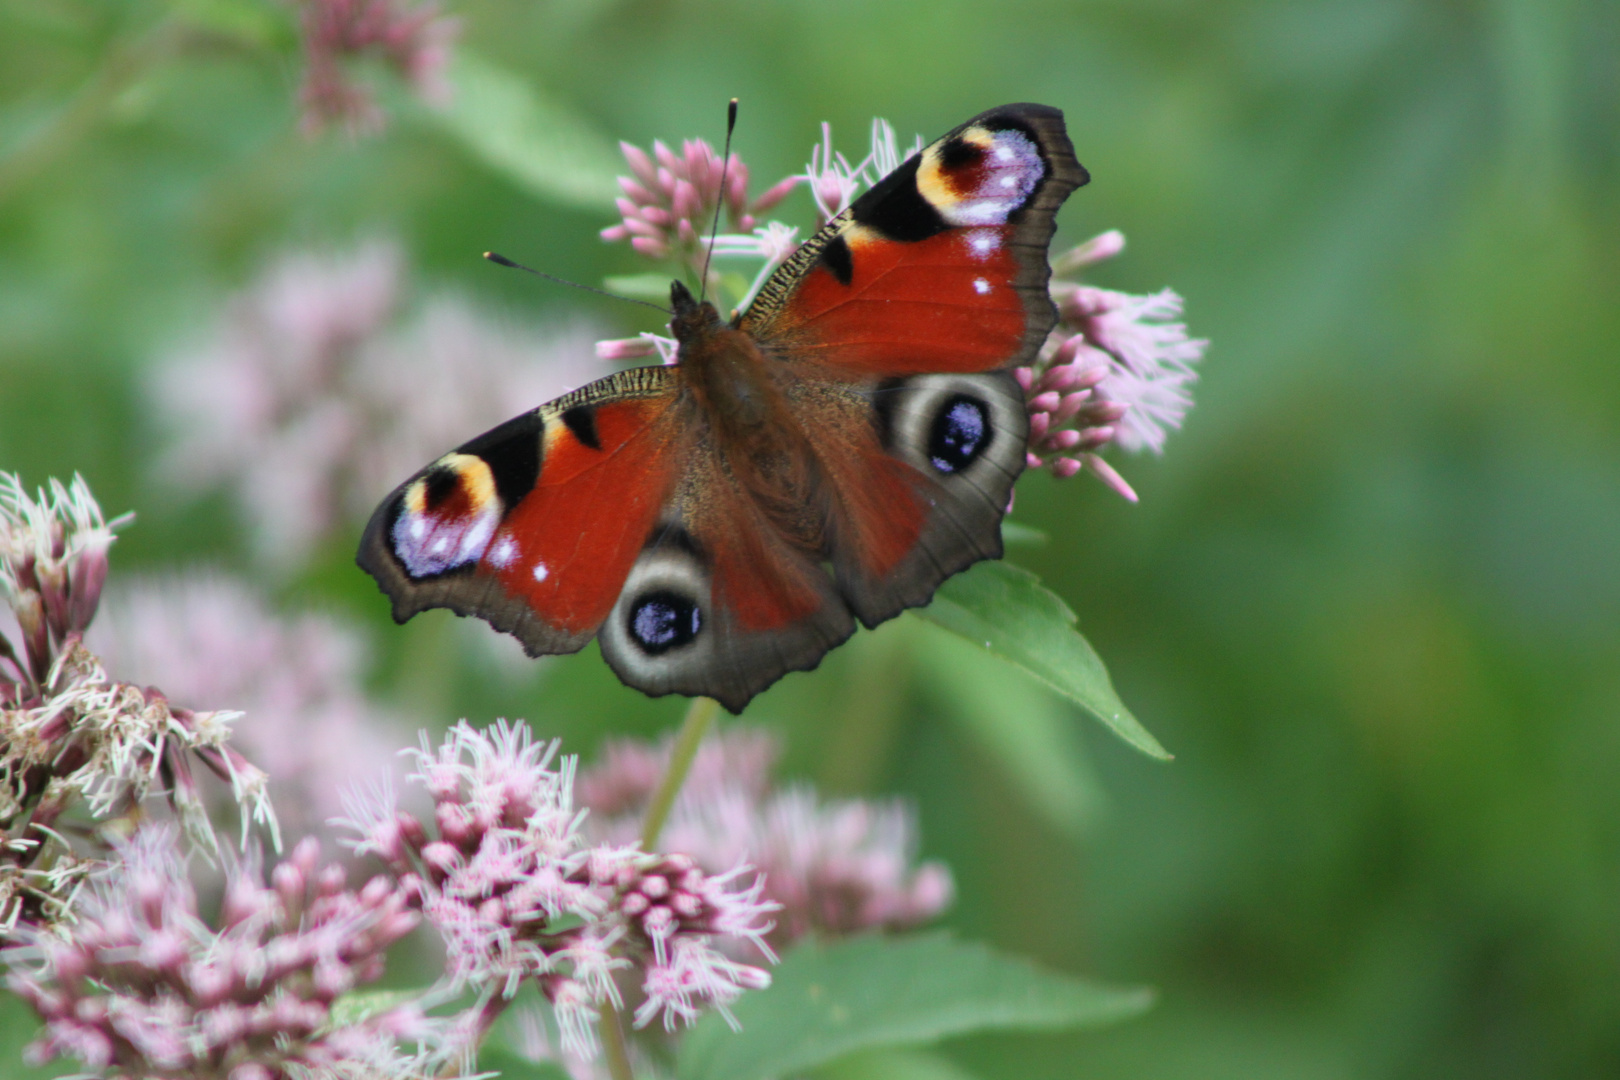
column 1007, row 611
column 511, row 1065
column 1015, row 535
column 18, row 1026
column 536, row 141
column 247, row 21
column 827, row 1002
column 1019, row 723
column 364, row 1004
column 890, row 1064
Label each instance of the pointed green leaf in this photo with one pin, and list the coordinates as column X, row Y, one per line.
column 1015, row 535
column 1022, row 725
column 1006, row 610
column 893, row 1064
column 510, row 1065
column 826, row 1002
column 534, row 140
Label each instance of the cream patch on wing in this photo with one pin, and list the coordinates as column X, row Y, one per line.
column 447, row 516
column 980, row 177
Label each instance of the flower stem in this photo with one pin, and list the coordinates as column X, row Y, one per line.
column 614, row 1050
column 699, row 716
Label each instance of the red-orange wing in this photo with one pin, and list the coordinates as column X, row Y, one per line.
column 535, row 525
column 941, row 266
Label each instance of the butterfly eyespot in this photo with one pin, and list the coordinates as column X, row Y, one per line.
column 661, row 621
column 446, row 517
column 960, row 433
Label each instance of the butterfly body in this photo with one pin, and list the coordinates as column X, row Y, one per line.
column 827, row 457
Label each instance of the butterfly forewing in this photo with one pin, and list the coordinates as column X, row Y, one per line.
column 941, row 266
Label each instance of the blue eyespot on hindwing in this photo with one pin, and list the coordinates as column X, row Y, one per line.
column 660, row 621
column 960, row 433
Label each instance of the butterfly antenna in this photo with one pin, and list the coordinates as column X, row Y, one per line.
column 502, row 260
column 720, row 200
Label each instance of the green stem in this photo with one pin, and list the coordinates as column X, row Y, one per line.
column 614, row 1050
column 699, row 716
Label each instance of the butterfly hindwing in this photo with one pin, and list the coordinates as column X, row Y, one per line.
column 957, row 441
column 941, row 266
column 719, row 604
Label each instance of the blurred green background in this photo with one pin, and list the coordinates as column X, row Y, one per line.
column 1370, row 598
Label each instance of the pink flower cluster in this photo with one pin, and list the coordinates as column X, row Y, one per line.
column 1117, row 369
column 668, row 204
column 832, row 866
column 414, row 41
column 142, row 985
column 213, row 641
column 72, row 737
column 517, row 892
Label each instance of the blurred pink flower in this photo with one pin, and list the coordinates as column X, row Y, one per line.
column 834, row 866
column 209, row 640
column 322, row 388
column 413, row 40
column 141, row 984
column 834, row 182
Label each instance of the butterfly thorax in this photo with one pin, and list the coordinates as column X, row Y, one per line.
column 724, row 371
column 760, row 443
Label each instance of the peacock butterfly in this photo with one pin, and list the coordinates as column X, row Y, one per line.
column 833, row 453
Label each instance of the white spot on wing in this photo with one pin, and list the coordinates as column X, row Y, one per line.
column 541, row 572
column 981, row 286
column 504, row 551
column 982, row 242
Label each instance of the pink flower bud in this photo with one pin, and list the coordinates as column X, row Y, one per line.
column 1097, row 249
column 624, row 349
column 775, row 194
column 639, row 163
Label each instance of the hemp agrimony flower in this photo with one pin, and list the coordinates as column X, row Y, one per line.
column 833, row 866
column 413, row 40
column 71, row 736
column 1116, row 369
column 142, row 984
column 323, row 381
column 518, row 892
column 212, row 641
